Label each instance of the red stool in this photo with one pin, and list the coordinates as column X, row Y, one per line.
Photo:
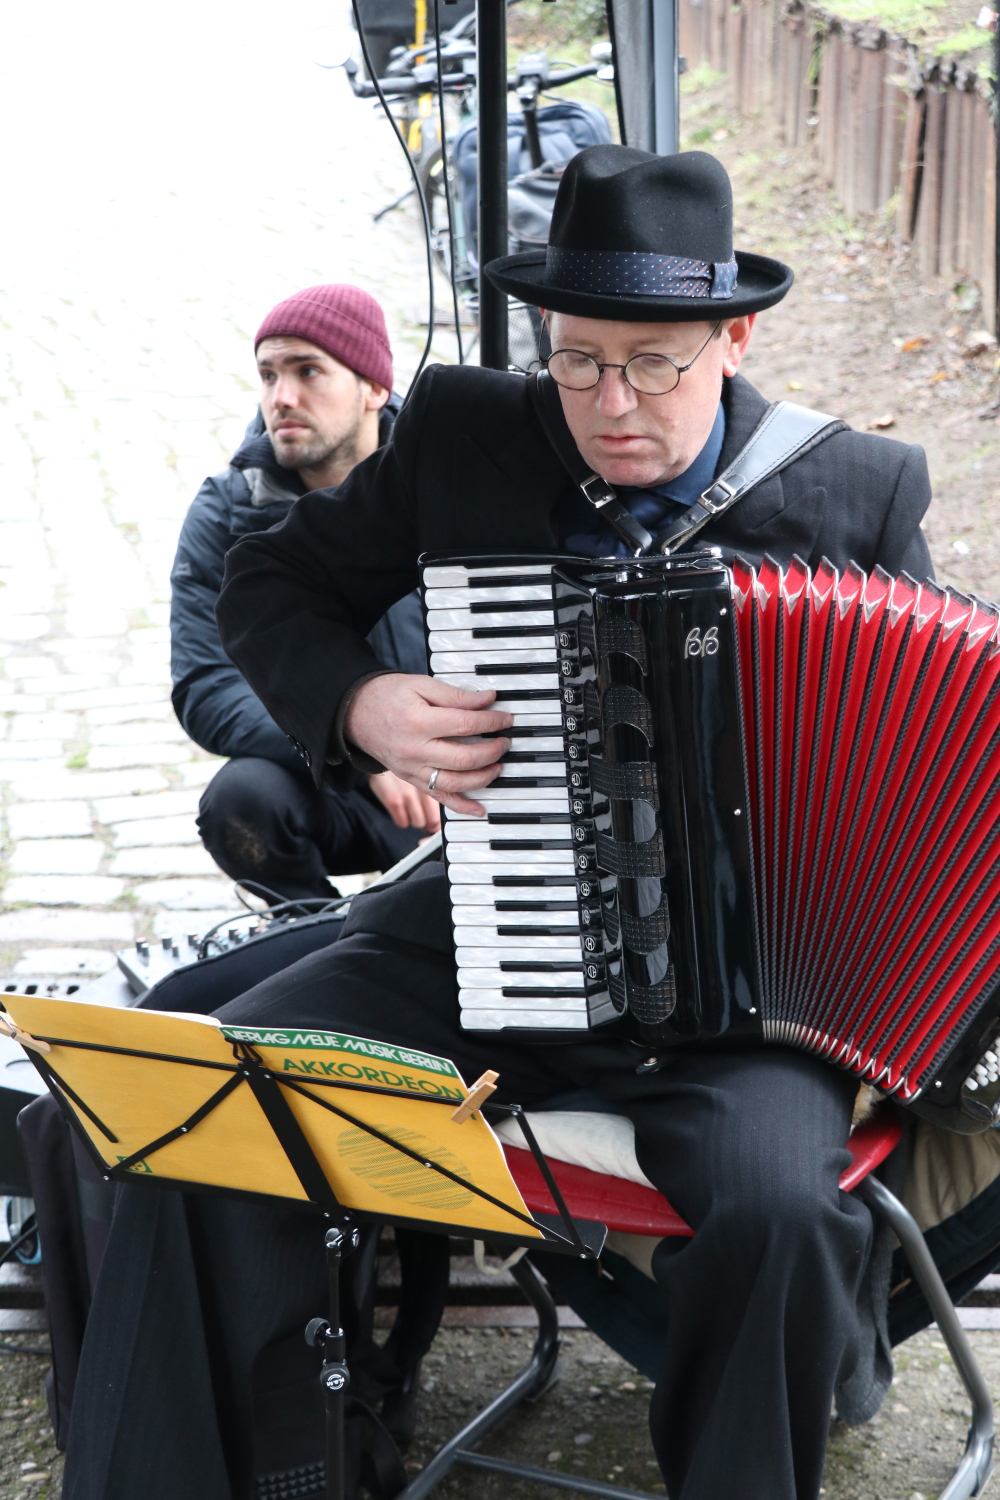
column 630, row 1208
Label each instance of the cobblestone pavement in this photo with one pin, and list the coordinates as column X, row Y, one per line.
column 164, row 220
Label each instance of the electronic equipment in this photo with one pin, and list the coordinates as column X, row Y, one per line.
column 775, row 794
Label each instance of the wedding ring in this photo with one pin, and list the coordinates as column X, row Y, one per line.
column 433, row 781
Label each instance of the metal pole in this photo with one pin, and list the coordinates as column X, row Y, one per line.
column 666, row 79
column 491, row 36
column 976, row 1463
column 328, row 1337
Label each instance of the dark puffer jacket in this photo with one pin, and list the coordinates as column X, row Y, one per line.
column 211, row 698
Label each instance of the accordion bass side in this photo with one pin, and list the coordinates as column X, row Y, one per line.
column 777, row 795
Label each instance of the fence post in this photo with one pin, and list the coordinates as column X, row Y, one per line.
column 995, row 299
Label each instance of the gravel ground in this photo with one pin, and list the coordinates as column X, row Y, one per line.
column 29, row 1464
column 591, row 1422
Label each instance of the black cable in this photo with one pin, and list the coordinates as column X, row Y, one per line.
column 447, row 184
column 306, row 906
column 30, row 1229
column 27, row 1233
column 416, row 183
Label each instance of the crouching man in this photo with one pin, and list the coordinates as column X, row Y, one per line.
column 325, row 368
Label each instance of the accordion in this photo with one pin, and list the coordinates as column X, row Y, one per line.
column 741, row 803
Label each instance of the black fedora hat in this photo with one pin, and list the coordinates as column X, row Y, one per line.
column 643, row 238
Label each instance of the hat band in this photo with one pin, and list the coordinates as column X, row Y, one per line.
column 637, row 273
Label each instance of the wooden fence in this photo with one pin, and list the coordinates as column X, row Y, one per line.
column 882, row 121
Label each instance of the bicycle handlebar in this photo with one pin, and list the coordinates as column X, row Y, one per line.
column 406, row 88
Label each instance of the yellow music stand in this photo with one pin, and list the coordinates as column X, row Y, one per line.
column 359, row 1129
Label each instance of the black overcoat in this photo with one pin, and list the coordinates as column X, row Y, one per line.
column 469, row 469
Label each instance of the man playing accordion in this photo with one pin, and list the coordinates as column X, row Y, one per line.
column 650, row 314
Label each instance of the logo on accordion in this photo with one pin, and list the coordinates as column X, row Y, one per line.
column 696, row 644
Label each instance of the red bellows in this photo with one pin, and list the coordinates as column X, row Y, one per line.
column 871, row 720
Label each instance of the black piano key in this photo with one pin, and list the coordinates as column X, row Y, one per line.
column 528, row 992
column 532, row 906
column 532, row 757
column 525, row 844
column 540, row 966
column 525, row 695
column 515, row 669
column 528, row 782
column 527, row 818
column 503, row 632
column 529, row 932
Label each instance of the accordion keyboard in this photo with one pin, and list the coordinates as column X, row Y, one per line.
column 523, row 881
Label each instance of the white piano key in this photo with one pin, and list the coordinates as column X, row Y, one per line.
column 451, row 597
column 464, row 640
column 491, row 1018
column 469, row 661
column 479, row 896
column 464, row 619
column 476, row 998
column 502, row 682
column 474, row 959
column 535, row 741
column 516, row 784
column 498, row 798
column 487, row 940
column 469, row 870
column 475, row 830
column 468, row 915
column 437, row 573
column 493, row 978
column 527, row 861
column 522, row 805
column 480, row 996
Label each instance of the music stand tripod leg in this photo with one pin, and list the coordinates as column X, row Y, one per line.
column 328, row 1336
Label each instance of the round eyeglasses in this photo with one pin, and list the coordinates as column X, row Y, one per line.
column 649, row 374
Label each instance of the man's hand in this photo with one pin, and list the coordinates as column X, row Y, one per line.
column 415, row 725
column 406, row 806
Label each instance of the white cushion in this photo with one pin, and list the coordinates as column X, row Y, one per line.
column 603, row 1143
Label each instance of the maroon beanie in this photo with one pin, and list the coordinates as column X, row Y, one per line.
column 343, row 320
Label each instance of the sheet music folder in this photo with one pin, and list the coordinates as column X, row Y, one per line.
column 353, row 1126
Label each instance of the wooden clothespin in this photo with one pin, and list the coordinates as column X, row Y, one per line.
column 477, row 1095
column 10, row 1029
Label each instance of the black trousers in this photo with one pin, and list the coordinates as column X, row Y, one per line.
column 261, row 823
column 748, row 1145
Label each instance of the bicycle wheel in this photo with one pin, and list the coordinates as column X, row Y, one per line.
column 433, row 182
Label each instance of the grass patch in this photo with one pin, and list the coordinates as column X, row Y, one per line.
column 904, row 16
column 969, row 38
column 701, row 77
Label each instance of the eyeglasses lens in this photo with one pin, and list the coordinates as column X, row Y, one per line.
column 576, row 371
column 651, row 374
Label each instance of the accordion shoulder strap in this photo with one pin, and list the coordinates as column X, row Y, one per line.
column 784, row 433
